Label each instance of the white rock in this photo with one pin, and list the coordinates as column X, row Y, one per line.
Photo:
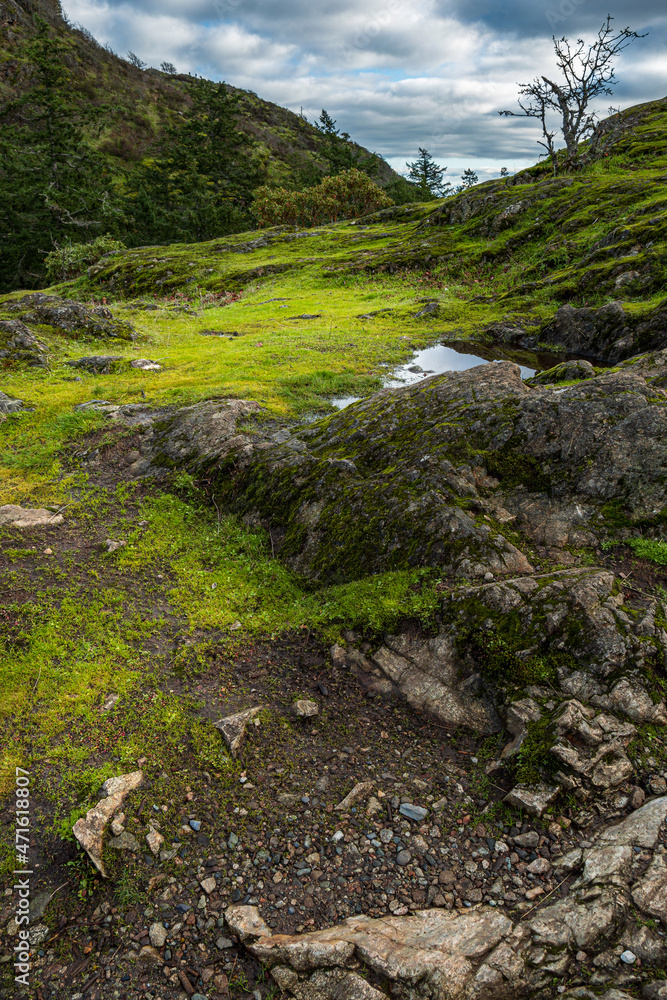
column 305, row 709
column 233, row 727
column 641, row 828
column 360, row 791
column 89, row 830
column 26, row 517
column 158, row 934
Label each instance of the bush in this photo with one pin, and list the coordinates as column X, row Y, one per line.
column 346, row 196
column 69, row 260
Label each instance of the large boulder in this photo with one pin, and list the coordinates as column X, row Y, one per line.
column 430, row 475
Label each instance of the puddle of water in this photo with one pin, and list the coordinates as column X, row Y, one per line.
column 431, row 361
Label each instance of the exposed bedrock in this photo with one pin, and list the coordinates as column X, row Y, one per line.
column 482, row 954
column 464, row 471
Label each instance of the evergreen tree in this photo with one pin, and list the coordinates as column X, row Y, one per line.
column 428, row 176
column 339, row 151
column 468, row 179
column 201, row 186
column 53, row 185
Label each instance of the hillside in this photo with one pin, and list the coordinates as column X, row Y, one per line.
column 333, row 603
column 518, row 248
column 142, row 102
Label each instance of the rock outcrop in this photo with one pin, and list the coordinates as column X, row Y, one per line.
column 480, row 953
column 56, row 316
column 435, row 474
column 609, row 332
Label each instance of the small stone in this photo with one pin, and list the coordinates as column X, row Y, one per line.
column 534, row 799
column 374, row 807
column 208, row 885
column 154, row 840
column 149, row 956
column 48, row 552
column 628, row 957
column 637, row 797
column 195, row 825
column 530, row 839
column 224, row 942
column 657, row 785
column 360, row 791
column 403, row 858
column 125, row 842
column 304, row 709
column 540, row 866
column 158, row 935
column 415, row 813
column 233, row 727
column 112, row 546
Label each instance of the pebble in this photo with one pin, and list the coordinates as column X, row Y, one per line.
column 628, row 957
column 195, row 824
column 416, row 813
column 224, row 942
column 403, row 858
column 158, row 935
column 305, row 709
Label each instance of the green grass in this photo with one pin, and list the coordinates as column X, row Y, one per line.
column 646, row 548
column 108, row 623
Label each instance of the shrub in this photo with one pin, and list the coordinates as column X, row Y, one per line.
column 69, row 260
column 346, row 196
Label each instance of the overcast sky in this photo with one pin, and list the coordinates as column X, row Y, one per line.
column 395, row 74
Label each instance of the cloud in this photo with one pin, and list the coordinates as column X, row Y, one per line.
column 396, row 74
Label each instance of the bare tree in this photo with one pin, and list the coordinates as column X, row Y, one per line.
column 587, row 73
column 134, row 60
column 168, row 67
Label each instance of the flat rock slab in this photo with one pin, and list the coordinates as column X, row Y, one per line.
column 89, row 830
column 26, row 517
column 640, row 829
column 96, row 362
column 438, row 945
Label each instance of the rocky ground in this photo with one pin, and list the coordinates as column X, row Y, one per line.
column 476, row 808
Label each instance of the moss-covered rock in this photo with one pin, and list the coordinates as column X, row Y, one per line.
column 65, row 318
column 433, row 474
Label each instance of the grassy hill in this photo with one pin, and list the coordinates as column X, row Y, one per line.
column 142, row 102
column 525, row 246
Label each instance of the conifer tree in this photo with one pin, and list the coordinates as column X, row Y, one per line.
column 428, row 176
column 53, row 185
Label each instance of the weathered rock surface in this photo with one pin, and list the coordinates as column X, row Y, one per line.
column 567, row 371
column 8, row 404
column 27, row 517
column 67, row 318
column 430, row 675
column 479, row 953
column 233, row 727
column 89, row 830
column 608, row 332
column 430, row 474
column 98, row 363
column 18, row 343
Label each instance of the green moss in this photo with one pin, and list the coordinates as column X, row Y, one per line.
column 514, row 468
column 534, row 762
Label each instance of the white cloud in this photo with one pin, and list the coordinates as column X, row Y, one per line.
column 396, row 74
